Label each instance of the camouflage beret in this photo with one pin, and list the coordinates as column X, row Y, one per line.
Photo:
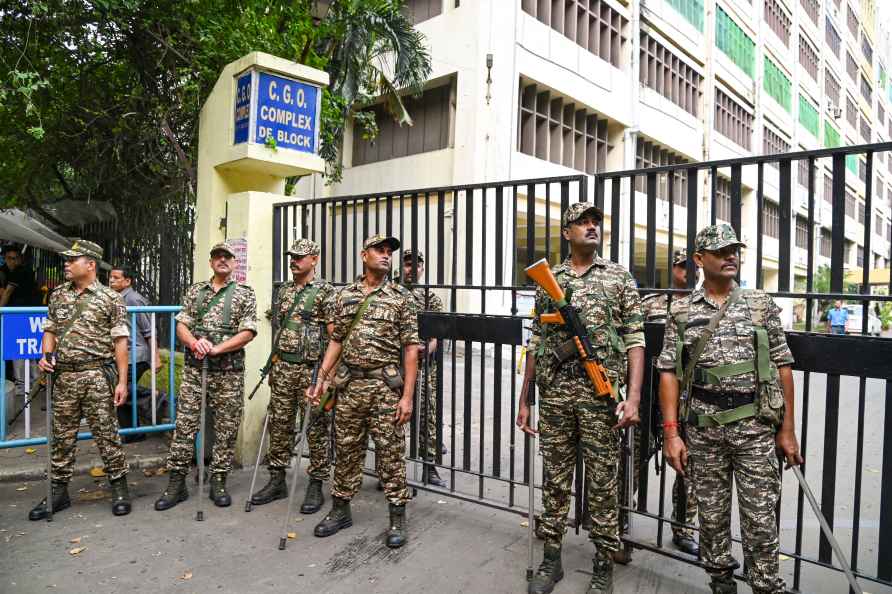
column 408, row 252
column 82, row 247
column 303, row 247
column 223, row 246
column 579, row 210
column 679, row 257
column 379, row 239
column 716, row 237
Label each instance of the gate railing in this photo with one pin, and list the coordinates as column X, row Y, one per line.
column 478, row 238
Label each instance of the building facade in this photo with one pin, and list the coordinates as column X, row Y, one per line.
column 536, row 88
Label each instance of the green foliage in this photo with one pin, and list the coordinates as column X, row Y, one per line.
column 885, row 315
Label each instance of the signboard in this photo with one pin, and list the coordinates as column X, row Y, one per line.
column 240, row 247
column 22, row 335
column 276, row 111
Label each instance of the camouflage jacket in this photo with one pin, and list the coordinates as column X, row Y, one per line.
column 432, row 303
column 388, row 324
column 306, row 338
column 103, row 319
column 732, row 341
column 608, row 302
column 655, row 306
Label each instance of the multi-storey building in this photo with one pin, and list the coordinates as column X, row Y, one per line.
column 538, row 88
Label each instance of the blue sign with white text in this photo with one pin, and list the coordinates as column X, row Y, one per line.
column 242, row 108
column 287, row 112
column 22, row 335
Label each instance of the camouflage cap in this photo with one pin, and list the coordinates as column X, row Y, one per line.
column 223, row 246
column 578, row 210
column 408, row 252
column 379, row 239
column 82, row 247
column 679, row 257
column 303, row 247
column 716, row 237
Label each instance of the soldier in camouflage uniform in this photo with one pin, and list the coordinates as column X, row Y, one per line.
column 656, row 308
column 219, row 317
column 303, row 316
column 572, row 417
column 373, row 319
column 426, row 301
column 87, row 331
column 740, row 410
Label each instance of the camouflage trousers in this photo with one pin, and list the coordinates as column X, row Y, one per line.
column 433, row 444
column 225, row 396
column 366, row 408
column 289, row 382
column 684, row 499
column 85, row 394
column 743, row 451
column 572, row 417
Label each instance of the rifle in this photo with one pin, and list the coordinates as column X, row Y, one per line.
column 50, row 377
column 32, row 394
column 569, row 317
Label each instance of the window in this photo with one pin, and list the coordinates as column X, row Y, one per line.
column 808, row 58
column 808, row 115
column 777, row 84
column 831, row 35
column 850, row 204
column 731, row 39
column 592, row 24
column 881, row 116
column 669, row 75
column 861, row 212
column 802, row 165
column 831, row 136
column 557, row 129
column 862, row 174
column 778, row 20
column 828, row 189
column 851, row 67
column 831, row 87
column 852, row 20
column 826, row 245
column 732, row 120
column 421, row 10
column 770, row 219
column 650, row 154
column 866, row 89
column 812, row 8
column 866, row 49
column 801, row 232
column 878, row 222
column 773, row 144
column 860, row 258
column 691, row 10
column 722, row 199
column 851, row 112
column 865, row 128
column 433, row 117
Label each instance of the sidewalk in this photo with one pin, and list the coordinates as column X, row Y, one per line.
column 453, row 547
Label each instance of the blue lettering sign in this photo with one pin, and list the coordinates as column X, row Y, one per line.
column 287, row 111
column 22, row 335
column 242, row 108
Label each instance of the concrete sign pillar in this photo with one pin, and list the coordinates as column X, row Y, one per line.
column 259, row 125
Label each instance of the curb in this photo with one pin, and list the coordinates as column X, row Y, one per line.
column 38, row 473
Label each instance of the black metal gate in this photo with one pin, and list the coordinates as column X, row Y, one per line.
column 478, row 238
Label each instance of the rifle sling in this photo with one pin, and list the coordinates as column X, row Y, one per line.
column 707, row 334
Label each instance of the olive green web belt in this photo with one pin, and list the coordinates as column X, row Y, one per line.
column 722, row 417
column 713, row 375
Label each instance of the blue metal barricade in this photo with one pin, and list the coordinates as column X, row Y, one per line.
column 9, row 313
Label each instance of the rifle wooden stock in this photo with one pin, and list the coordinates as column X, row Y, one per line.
column 568, row 317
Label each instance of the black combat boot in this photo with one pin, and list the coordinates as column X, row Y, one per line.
column 218, row 493
column 314, row 499
column 339, row 517
column 275, row 489
column 396, row 534
column 120, row 496
column 723, row 584
column 176, row 492
column 433, row 477
column 686, row 544
column 602, row 575
column 60, row 501
column 549, row 573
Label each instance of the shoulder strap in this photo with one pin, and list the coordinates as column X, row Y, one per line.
column 681, row 324
column 78, row 312
column 707, row 334
column 310, row 299
column 227, row 304
column 758, row 306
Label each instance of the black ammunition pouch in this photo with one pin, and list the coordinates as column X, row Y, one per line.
column 233, row 361
column 389, row 374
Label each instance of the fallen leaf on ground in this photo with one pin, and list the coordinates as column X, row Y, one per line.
column 30, row 450
column 97, row 472
column 23, row 488
column 298, row 520
column 154, row 471
column 186, row 576
column 441, row 501
column 92, row 495
column 76, row 540
column 77, row 550
column 783, row 557
column 873, row 470
column 525, row 524
column 292, row 535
